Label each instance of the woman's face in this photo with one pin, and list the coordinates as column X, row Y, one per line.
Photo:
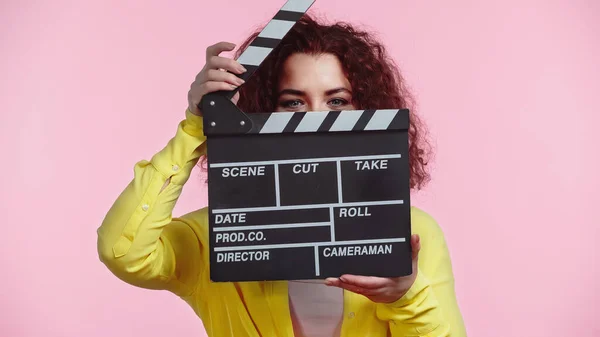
column 313, row 83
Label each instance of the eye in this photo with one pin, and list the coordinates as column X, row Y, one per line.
column 291, row 104
column 338, row 102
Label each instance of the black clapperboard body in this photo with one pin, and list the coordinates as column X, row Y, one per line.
column 305, row 195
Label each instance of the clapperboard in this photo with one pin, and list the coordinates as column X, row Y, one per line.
column 305, row 195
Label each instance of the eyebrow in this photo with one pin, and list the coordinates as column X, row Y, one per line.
column 302, row 93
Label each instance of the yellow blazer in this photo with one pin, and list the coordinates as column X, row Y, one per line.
column 142, row 244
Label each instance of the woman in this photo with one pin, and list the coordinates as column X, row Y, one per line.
column 316, row 67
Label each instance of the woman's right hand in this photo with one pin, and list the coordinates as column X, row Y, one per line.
column 215, row 76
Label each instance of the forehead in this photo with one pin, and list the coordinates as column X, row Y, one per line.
column 304, row 71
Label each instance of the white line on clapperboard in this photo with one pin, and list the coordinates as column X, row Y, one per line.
column 277, row 194
column 278, row 206
column 274, row 226
column 307, row 244
column 296, row 207
column 307, row 160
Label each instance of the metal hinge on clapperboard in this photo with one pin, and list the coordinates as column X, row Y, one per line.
column 272, row 229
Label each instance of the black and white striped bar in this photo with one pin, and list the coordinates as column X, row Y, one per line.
column 272, row 34
column 329, row 121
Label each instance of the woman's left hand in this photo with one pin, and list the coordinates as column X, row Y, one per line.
column 379, row 289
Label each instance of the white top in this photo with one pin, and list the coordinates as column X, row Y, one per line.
column 316, row 309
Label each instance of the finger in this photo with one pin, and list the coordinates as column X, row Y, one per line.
column 367, row 282
column 212, row 86
column 335, row 282
column 236, row 98
column 218, row 48
column 359, row 290
column 218, row 62
column 416, row 246
column 332, row 281
column 222, row 76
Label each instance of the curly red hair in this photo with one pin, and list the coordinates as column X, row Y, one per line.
column 376, row 81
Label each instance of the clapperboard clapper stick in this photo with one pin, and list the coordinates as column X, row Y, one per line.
column 305, row 195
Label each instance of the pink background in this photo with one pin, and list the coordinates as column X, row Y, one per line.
column 510, row 90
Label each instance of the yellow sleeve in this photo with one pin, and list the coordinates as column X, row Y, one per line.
column 430, row 308
column 138, row 240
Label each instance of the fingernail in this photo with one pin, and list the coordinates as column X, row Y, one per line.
column 240, row 81
column 233, row 86
column 242, row 69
